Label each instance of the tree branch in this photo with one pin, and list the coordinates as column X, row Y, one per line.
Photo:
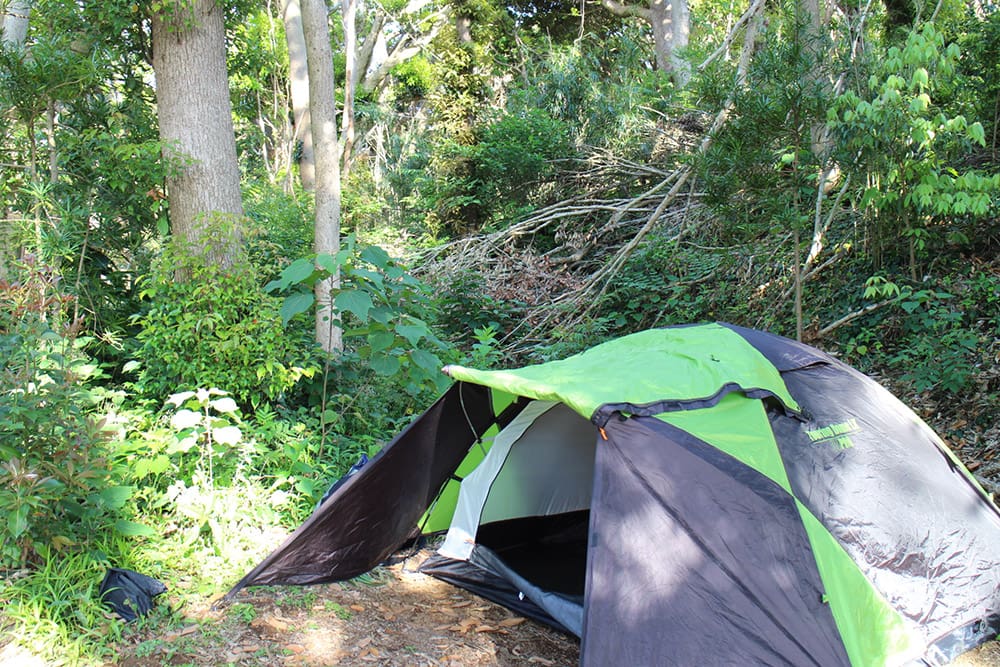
column 619, row 9
column 728, row 41
column 850, row 317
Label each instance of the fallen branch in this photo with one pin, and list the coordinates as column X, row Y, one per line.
column 850, row 317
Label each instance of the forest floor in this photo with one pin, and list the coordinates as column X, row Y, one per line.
column 397, row 617
column 393, row 617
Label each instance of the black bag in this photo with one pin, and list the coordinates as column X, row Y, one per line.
column 129, row 594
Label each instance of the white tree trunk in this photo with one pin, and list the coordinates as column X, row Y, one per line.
column 196, row 128
column 13, row 31
column 670, row 21
column 323, row 113
column 680, row 67
column 349, row 13
column 662, row 21
column 374, row 64
column 14, row 22
column 463, row 28
column 299, row 88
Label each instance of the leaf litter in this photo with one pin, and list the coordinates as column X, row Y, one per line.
column 397, row 616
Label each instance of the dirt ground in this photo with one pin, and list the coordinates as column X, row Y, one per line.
column 395, row 617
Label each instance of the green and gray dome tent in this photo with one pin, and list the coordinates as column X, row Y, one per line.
column 689, row 495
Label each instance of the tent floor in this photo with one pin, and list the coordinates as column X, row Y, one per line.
column 548, row 551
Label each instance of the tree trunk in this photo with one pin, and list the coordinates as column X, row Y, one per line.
column 13, row 31
column 349, row 12
column 811, row 27
column 670, row 21
column 661, row 19
column 14, row 22
column 463, row 28
column 681, row 20
column 322, row 110
column 299, row 84
column 196, row 129
column 378, row 55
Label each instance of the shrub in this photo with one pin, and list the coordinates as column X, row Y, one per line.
column 388, row 344
column 56, row 486
column 216, row 328
column 490, row 180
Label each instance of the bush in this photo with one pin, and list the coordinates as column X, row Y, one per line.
column 388, row 344
column 490, row 180
column 216, row 328
column 279, row 226
column 56, row 486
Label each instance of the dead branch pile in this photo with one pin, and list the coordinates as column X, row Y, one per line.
column 563, row 258
column 556, row 257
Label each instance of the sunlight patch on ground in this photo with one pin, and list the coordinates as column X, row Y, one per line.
column 320, row 645
column 17, row 656
column 987, row 655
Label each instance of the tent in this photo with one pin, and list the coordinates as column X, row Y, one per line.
column 705, row 494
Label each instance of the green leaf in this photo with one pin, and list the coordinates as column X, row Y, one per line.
column 354, row 301
column 381, row 340
column 330, row 416
column 871, row 197
column 183, row 419
column 374, row 277
column 224, row 405
column 375, row 256
column 17, row 521
column 384, row 364
column 182, row 445
column 977, row 134
column 426, row 360
column 297, row 271
column 144, row 467
column 133, row 529
column 305, row 486
column 329, row 263
column 381, row 314
column 227, row 435
column 115, row 497
column 294, row 304
column 412, row 332
column 179, row 398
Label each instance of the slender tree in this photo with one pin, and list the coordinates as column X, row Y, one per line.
column 322, row 111
column 349, row 16
column 369, row 59
column 196, row 127
column 394, row 39
column 299, row 85
column 13, row 31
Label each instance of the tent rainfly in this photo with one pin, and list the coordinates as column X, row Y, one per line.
column 704, row 494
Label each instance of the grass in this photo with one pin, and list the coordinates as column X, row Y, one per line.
column 53, row 612
column 208, row 539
